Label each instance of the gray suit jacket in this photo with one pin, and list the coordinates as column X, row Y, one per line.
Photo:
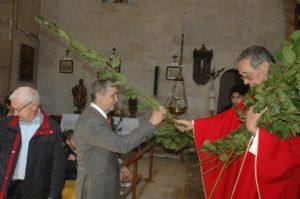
column 97, row 147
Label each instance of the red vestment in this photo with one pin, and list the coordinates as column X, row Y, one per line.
column 273, row 173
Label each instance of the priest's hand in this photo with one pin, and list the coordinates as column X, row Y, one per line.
column 183, row 125
column 158, row 116
column 252, row 120
column 242, row 118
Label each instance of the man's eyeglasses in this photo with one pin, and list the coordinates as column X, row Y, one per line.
column 19, row 110
column 247, row 76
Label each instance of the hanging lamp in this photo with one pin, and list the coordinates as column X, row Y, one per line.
column 177, row 103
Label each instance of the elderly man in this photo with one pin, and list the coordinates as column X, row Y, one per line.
column 270, row 168
column 31, row 151
column 98, row 146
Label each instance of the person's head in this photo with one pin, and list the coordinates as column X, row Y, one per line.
column 9, row 109
column 104, row 94
column 69, row 138
column 253, row 65
column 25, row 102
column 237, row 94
column 81, row 82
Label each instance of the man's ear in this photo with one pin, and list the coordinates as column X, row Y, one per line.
column 98, row 95
column 68, row 142
column 34, row 105
column 265, row 67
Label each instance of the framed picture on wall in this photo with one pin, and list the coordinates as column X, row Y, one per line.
column 26, row 63
column 172, row 72
column 66, row 66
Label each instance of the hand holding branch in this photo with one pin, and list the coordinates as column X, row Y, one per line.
column 183, row 125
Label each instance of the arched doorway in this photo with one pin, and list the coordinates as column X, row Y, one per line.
column 228, row 79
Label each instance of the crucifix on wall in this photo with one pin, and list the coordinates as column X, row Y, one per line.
column 202, row 65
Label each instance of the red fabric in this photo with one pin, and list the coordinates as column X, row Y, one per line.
column 275, row 173
column 278, row 166
column 10, row 165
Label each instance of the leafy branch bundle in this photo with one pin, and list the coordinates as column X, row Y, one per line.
column 174, row 139
column 171, row 139
column 280, row 94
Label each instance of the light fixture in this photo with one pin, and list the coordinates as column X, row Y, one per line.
column 177, row 103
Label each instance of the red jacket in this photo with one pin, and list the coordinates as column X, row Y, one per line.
column 45, row 169
column 273, row 173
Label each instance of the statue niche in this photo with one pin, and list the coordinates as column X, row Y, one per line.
column 201, row 65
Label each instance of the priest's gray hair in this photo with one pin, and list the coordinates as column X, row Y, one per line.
column 26, row 95
column 256, row 55
column 101, row 86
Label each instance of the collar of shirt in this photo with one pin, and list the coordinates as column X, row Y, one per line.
column 99, row 110
column 37, row 120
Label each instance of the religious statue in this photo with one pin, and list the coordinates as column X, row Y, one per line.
column 79, row 94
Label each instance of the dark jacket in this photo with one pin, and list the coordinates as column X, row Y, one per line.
column 45, row 169
column 71, row 168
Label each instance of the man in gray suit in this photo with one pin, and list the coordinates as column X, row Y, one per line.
column 97, row 145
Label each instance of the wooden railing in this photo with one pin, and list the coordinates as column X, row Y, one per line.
column 133, row 159
column 69, row 190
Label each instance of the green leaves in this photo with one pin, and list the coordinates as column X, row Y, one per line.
column 295, row 36
column 235, row 142
column 116, row 61
column 288, row 55
column 131, row 92
column 150, row 101
column 171, row 139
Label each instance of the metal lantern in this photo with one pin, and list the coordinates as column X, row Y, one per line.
column 177, row 102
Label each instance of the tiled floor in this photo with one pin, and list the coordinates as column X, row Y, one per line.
column 172, row 179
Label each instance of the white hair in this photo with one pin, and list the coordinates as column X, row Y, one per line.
column 26, row 95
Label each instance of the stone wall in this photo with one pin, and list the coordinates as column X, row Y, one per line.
column 148, row 34
column 17, row 26
column 6, row 15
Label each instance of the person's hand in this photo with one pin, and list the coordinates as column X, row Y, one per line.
column 124, row 174
column 242, row 118
column 158, row 116
column 72, row 157
column 252, row 120
column 183, row 125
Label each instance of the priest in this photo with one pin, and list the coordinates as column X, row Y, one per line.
column 270, row 167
